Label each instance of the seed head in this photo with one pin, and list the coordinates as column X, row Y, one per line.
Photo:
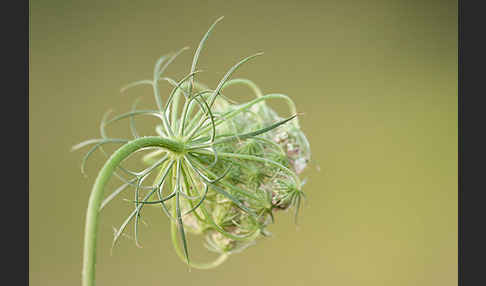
column 230, row 166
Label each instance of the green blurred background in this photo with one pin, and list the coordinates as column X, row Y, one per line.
column 376, row 81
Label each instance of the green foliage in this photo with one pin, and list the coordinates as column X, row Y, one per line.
column 228, row 166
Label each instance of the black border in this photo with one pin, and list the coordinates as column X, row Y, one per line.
column 472, row 143
column 15, row 139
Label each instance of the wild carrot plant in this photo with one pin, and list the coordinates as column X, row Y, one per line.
column 221, row 169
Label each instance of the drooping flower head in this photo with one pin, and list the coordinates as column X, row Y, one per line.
column 229, row 167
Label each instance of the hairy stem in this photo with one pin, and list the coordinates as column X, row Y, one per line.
column 96, row 197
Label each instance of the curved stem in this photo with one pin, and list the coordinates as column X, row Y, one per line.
column 96, row 197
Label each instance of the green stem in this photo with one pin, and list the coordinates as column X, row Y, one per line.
column 96, row 197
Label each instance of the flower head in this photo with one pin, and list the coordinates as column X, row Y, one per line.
column 226, row 168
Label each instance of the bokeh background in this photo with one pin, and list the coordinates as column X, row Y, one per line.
column 376, row 81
